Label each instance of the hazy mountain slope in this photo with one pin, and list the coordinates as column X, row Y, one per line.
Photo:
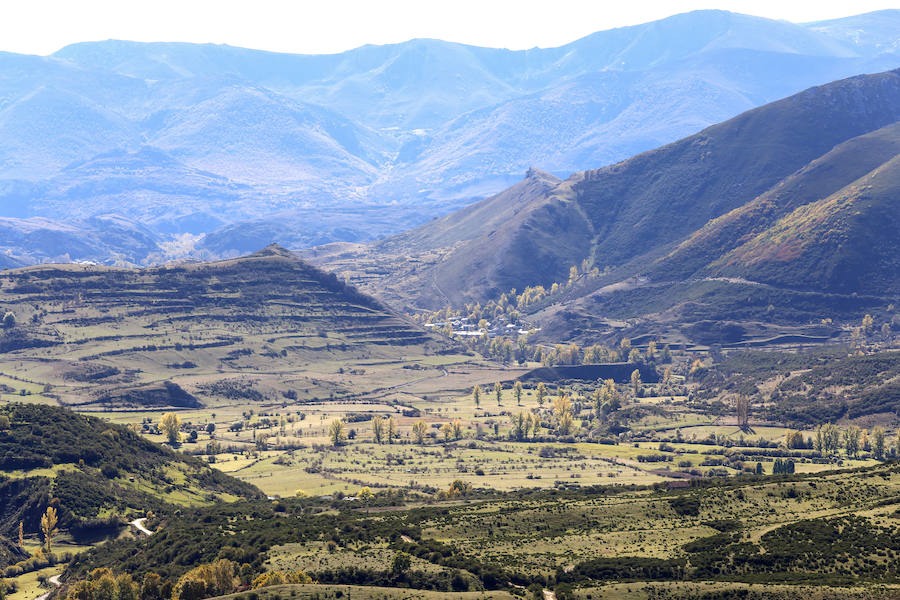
column 874, row 32
column 287, row 140
column 100, row 238
column 448, row 259
column 604, row 117
column 147, row 185
column 241, row 137
column 48, row 128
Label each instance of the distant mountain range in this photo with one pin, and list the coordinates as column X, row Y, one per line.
column 253, row 147
column 786, row 213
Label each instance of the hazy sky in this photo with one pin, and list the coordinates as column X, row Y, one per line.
column 316, row 26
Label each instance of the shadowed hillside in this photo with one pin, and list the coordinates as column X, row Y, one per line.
column 698, row 210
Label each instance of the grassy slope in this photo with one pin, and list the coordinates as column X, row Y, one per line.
column 760, row 530
column 100, row 337
column 846, row 242
column 93, row 469
column 821, row 178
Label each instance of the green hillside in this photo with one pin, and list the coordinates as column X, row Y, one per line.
column 829, row 529
column 91, row 469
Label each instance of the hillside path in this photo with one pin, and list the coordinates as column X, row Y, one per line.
column 54, row 580
column 139, row 525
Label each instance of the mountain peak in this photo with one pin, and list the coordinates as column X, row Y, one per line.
column 540, row 176
column 275, row 249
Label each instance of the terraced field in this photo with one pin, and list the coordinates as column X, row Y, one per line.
column 99, row 337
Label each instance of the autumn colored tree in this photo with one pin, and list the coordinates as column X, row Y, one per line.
column 48, row 527
column 878, row 443
column 336, row 432
column 170, row 425
column 636, row 382
column 419, row 429
column 378, row 429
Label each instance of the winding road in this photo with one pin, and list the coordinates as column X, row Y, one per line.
column 139, row 525
column 54, row 580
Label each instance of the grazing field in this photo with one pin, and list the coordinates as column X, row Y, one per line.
column 328, row 438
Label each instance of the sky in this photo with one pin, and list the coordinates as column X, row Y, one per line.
column 325, row 26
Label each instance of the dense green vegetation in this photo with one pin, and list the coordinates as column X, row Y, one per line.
column 834, row 529
column 91, row 470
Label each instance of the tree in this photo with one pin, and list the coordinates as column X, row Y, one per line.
column 48, row 527
column 126, row 587
column 667, row 376
column 170, row 425
column 742, row 408
column 794, row 440
column 878, row 443
column 541, row 393
column 517, row 390
column 447, row 430
column 498, row 392
column 391, row 429
column 419, row 429
column 401, row 563
column 21, row 535
column 562, row 404
column 868, row 323
column 151, row 587
column 565, row 423
column 831, row 438
column 696, row 368
column 9, row 320
column 366, row 495
column 336, row 432
column 378, row 429
column 457, row 430
column 851, row 440
column 476, row 395
column 636, row 382
column 459, row 488
column 520, row 428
